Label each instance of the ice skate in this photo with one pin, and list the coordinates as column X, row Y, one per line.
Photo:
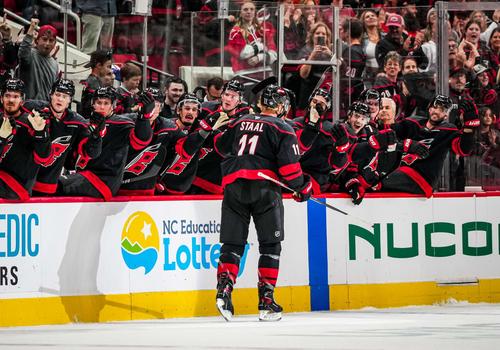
column 223, row 298
column 269, row 310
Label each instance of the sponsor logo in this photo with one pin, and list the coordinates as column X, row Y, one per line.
column 140, row 242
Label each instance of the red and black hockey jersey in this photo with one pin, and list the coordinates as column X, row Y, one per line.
column 171, row 148
column 208, row 175
column 440, row 140
column 258, row 143
column 21, row 158
column 68, row 135
column 105, row 172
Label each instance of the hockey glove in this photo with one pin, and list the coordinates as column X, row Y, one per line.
column 382, row 140
column 304, row 192
column 417, row 148
column 341, row 136
column 147, row 105
column 356, row 187
column 470, row 113
column 39, row 126
column 97, row 125
column 45, row 113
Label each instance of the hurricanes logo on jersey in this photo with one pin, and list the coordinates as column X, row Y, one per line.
column 6, row 150
column 58, row 147
column 142, row 160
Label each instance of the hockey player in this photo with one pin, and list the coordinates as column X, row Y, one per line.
column 69, row 135
column 170, row 148
column 421, row 175
column 24, row 143
column 253, row 144
column 326, row 155
column 208, row 176
column 102, row 176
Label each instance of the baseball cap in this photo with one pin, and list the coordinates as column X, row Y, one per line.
column 47, row 29
column 394, row 20
column 458, row 71
column 479, row 68
column 98, row 56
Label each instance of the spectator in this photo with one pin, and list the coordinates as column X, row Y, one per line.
column 318, row 48
column 98, row 20
column 458, row 92
column 395, row 40
column 128, row 91
column 251, row 45
column 174, row 89
column 37, row 67
column 475, row 50
column 482, row 91
column 310, row 14
column 460, row 19
column 371, row 36
column 214, row 89
column 372, row 99
column 8, row 52
column 100, row 76
column 386, row 82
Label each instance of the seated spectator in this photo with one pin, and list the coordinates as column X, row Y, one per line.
column 175, row 87
column 318, row 48
column 251, row 45
column 37, row 67
column 100, row 76
column 128, row 91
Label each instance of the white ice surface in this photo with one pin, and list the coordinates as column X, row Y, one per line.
column 455, row 326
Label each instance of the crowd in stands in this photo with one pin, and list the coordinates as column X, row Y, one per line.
column 393, row 132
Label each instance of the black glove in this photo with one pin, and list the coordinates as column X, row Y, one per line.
column 303, row 193
column 147, row 105
column 341, row 136
column 97, row 125
column 209, row 122
column 356, row 187
column 470, row 113
column 382, row 140
column 415, row 147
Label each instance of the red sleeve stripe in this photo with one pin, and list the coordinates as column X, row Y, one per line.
column 44, row 187
column 98, row 184
column 420, row 181
column 302, row 147
column 15, row 186
column 290, row 171
column 82, row 143
column 455, row 146
column 136, row 142
column 179, row 149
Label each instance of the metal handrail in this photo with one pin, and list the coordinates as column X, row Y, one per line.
column 75, row 17
column 23, row 20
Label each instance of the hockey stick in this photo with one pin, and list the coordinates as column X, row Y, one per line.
column 279, row 183
column 153, row 171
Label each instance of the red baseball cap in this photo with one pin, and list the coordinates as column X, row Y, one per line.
column 47, row 29
column 394, row 20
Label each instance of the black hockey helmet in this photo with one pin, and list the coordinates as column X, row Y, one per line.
column 370, row 94
column 63, row 85
column 14, row 85
column 188, row 97
column 361, row 108
column 323, row 93
column 105, row 92
column 272, row 96
column 233, row 85
column 157, row 94
column 441, row 101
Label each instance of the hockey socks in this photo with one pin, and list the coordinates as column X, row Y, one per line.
column 227, row 271
column 269, row 310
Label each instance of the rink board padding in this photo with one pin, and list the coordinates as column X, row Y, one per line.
column 80, row 260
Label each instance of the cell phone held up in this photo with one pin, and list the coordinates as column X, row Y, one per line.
column 321, row 41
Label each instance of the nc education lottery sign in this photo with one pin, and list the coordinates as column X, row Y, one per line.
column 126, row 247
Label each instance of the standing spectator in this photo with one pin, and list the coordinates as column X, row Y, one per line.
column 174, row 89
column 396, row 40
column 8, row 52
column 98, row 19
column 100, row 64
column 128, row 91
column 251, row 45
column 24, row 143
column 246, row 195
column 372, row 35
column 476, row 50
column 37, row 67
column 214, row 89
column 318, row 48
column 295, row 30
